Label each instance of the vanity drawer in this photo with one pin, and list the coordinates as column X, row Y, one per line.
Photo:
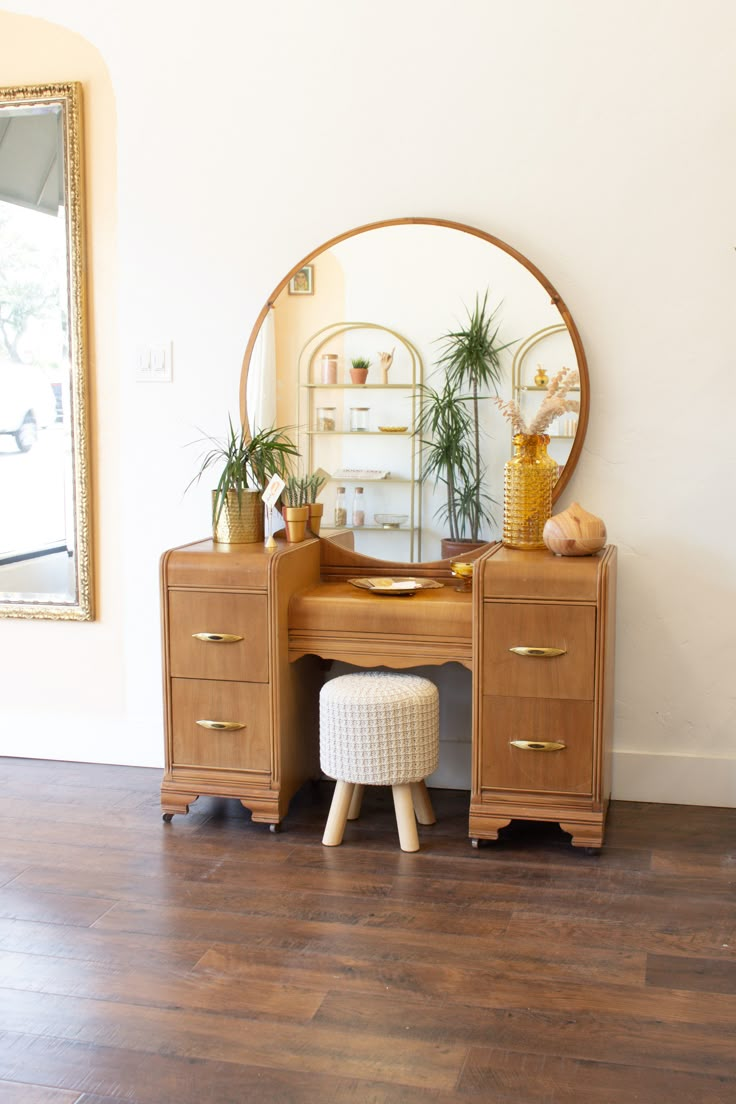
column 239, row 619
column 568, row 769
column 569, row 630
column 246, row 746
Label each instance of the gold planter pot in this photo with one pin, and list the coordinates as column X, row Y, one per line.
column 316, row 510
column 240, row 520
column 295, row 520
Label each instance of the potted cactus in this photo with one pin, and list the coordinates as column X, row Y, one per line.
column 314, row 484
column 294, row 508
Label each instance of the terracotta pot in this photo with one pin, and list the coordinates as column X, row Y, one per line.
column 316, row 510
column 459, row 549
column 358, row 375
column 295, row 520
column 240, row 520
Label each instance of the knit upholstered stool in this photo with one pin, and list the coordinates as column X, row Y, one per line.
column 379, row 729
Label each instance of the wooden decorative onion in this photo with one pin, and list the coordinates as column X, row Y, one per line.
column 574, row 532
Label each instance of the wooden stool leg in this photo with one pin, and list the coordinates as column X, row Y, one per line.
column 422, row 803
column 356, row 801
column 335, row 827
column 405, row 819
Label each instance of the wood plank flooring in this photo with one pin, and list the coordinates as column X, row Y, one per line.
column 210, row 961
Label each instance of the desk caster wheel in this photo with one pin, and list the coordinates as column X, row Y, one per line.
column 594, row 851
column 275, row 828
column 476, row 843
column 167, row 818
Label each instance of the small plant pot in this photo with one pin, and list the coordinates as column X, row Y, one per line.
column 358, row 375
column 316, row 510
column 295, row 520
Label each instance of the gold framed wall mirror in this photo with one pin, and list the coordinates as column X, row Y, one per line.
column 397, row 289
column 45, row 527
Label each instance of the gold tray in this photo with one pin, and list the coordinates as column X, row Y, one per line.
column 393, row 429
column 397, row 587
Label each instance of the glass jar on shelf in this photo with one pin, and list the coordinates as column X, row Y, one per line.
column 359, row 419
column 329, row 368
column 325, row 419
column 358, row 511
column 341, row 512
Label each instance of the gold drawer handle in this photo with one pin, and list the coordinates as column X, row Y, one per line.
column 221, row 726
column 544, row 653
column 538, row 745
column 217, row 638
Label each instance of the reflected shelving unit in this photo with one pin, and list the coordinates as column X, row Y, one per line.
column 386, row 463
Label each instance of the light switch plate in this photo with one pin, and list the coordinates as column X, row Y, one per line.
column 153, row 363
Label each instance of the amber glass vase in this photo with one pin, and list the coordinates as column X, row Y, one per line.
column 528, row 479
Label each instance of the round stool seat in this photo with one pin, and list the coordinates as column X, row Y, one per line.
column 379, row 729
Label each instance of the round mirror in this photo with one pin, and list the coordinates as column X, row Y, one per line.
column 401, row 297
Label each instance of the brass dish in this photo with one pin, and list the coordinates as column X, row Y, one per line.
column 396, row 586
column 393, row 429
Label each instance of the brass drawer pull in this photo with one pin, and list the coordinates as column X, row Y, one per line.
column 221, row 726
column 217, row 638
column 543, row 653
column 538, row 745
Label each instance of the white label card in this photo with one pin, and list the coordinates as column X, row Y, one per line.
column 273, row 490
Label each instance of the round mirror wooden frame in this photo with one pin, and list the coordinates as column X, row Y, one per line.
column 555, row 300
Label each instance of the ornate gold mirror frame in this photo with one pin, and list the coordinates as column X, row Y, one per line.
column 45, row 538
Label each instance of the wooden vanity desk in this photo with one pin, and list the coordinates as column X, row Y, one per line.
column 537, row 631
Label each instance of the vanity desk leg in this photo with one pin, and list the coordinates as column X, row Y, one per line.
column 176, row 803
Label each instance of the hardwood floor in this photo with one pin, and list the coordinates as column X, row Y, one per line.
column 210, row 961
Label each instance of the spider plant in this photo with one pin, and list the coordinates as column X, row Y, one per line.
column 247, row 461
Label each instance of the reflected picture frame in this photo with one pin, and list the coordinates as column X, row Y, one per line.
column 302, row 282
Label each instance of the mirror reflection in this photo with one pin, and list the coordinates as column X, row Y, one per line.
column 395, row 297
column 44, row 529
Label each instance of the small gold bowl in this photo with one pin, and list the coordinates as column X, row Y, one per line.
column 463, row 571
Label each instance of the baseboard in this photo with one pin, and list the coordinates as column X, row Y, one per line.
column 674, row 779
column 637, row 775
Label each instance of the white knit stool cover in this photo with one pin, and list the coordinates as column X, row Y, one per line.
column 379, row 728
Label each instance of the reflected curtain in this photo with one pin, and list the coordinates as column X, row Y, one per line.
column 261, row 388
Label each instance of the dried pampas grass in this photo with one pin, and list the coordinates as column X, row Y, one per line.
column 554, row 403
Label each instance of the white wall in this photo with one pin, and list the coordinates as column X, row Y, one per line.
column 596, row 138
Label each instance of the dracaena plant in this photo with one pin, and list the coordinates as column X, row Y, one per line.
column 246, row 461
column 471, row 360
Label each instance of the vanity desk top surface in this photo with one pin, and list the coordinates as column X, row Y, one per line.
column 332, row 603
column 337, row 620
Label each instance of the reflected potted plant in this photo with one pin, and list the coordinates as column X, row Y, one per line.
column 359, row 369
column 448, row 460
column 471, row 360
column 247, row 463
